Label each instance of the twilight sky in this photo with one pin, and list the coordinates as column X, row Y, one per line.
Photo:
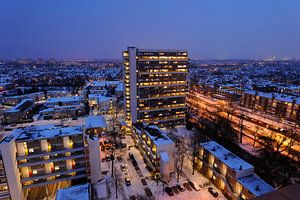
column 216, row 29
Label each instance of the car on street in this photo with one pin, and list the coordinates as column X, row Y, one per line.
column 187, row 186
column 132, row 197
column 169, row 191
column 123, row 167
column 175, row 190
column 180, row 188
column 127, row 181
column 149, row 193
column 144, row 182
column 134, row 163
column 107, row 157
column 212, row 192
column 194, row 185
column 149, row 168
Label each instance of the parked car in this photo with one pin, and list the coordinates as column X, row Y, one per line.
column 134, row 163
column 180, row 188
column 127, row 181
column 169, row 191
column 194, row 185
column 119, row 158
column 187, row 186
column 175, row 190
column 131, row 156
column 149, row 168
column 133, row 197
column 148, row 192
column 123, row 167
column 212, row 192
column 107, row 157
column 144, row 182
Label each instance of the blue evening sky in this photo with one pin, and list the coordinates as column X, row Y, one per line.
column 103, row 28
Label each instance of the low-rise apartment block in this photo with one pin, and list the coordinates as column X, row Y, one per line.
column 156, row 147
column 232, row 175
column 19, row 112
column 48, row 154
column 94, row 125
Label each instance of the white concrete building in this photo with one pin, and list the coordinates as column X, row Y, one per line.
column 48, row 154
column 156, row 147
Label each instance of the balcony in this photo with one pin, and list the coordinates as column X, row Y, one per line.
column 60, row 151
column 56, row 159
column 61, row 177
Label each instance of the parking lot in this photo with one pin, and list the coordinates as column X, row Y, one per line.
column 135, row 175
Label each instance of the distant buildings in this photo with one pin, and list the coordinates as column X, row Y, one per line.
column 94, row 125
column 155, row 86
column 102, row 103
column 251, row 115
column 63, row 107
column 282, row 106
column 232, row 175
column 157, row 148
column 19, row 112
column 47, row 154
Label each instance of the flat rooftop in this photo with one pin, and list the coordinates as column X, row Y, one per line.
column 64, row 99
column 22, row 106
column 40, row 132
column 154, row 133
column 277, row 96
column 80, row 192
column 95, row 122
column 255, row 185
column 230, row 159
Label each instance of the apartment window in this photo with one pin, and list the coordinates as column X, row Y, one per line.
column 30, row 150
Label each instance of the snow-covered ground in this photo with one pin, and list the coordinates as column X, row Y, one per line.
column 124, row 192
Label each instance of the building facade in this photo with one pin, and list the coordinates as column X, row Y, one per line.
column 254, row 114
column 155, row 86
column 47, row 154
column 157, row 148
column 232, row 175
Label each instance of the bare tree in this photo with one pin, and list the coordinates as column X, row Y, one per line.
column 180, row 157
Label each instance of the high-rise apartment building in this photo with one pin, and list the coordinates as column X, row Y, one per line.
column 155, row 86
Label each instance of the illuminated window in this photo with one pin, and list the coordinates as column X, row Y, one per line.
column 31, row 150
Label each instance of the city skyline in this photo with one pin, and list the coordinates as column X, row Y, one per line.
column 209, row 30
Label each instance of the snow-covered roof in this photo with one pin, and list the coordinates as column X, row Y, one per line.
column 154, row 133
column 277, row 96
column 95, row 122
column 164, row 156
column 65, row 99
column 255, row 185
column 99, row 97
column 81, row 192
column 228, row 158
column 23, row 105
column 120, row 87
column 40, row 132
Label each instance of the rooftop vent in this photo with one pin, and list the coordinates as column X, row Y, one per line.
column 226, row 157
column 214, row 149
column 257, row 188
column 241, row 167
